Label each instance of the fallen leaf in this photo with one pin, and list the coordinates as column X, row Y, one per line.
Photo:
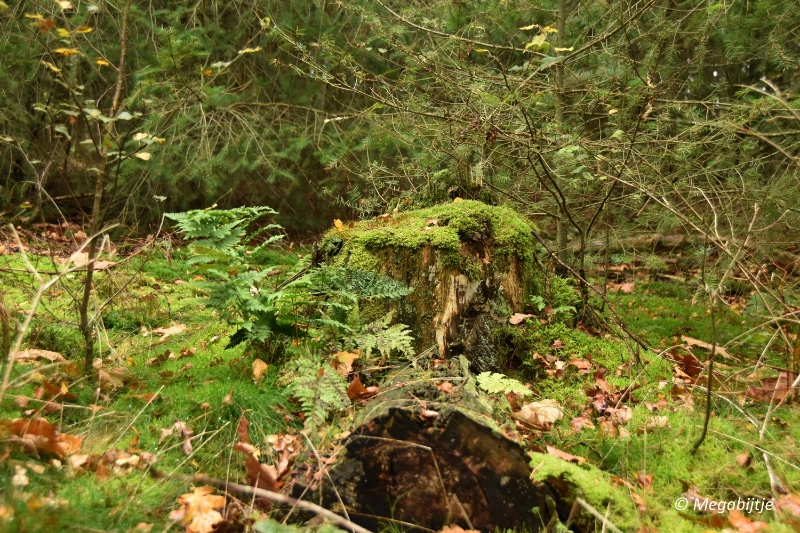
column 540, row 415
column 789, row 504
column 342, row 362
column 32, row 355
column 39, row 435
column 228, row 398
column 744, row 459
column 565, row 456
column 584, row 366
column 172, row 330
column 744, row 524
column 445, row 386
column 654, row 422
column 81, row 259
column 458, row 529
column 259, row 367
column 183, row 431
column 645, row 480
column 198, row 511
column 557, row 344
column 243, row 429
column 20, row 477
column 772, row 388
column 581, row 422
column 356, row 390
column 518, row 318
column 719, row 350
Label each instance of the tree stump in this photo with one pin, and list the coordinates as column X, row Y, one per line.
column 470, row 264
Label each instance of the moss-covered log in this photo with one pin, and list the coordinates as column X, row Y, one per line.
column 468, row 263
column 431, row 455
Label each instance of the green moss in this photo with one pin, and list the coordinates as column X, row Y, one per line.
column 590, row 484
column 443, row 227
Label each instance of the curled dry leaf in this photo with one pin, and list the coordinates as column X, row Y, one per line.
column 27, row 356
column 198, row 511
column 182, row 431
column 744, row 524
column 259, row 367
column 772, row 389
column 540, row 415
column 584, row 366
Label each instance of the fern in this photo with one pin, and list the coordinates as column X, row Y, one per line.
column 384, row 338
column 319, row 389
column 494, row 383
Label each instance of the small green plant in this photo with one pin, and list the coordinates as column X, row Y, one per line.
column 495, row 383
column 319, row 389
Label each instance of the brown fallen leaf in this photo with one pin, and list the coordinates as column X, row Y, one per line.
column 581, row 422
column 744, row 524
column 540, row 415
column 773, row 389
column 566, row 456
column 81, row 259
column 174, row 329
column 744, row 459
column 445, row 386
column 198, row 511
column 38, row 435
column 30, row 355
column 518, row 318
column 719, row 350
column 645, row 480
column 654, row 422
column 453, row 528
column 259, row 367
column 183, row 431
column 584, row 366
column 342, row 362
column 356, row 390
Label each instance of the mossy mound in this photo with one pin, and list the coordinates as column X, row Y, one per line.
column 469, row 264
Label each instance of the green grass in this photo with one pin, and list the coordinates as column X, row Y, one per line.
column 79, row 501
column 60, row 499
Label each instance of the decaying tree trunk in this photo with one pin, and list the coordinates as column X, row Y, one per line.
column 431, row 449
column 423, row 455
column 469, row 264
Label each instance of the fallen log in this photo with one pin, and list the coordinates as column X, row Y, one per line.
column 422, row 455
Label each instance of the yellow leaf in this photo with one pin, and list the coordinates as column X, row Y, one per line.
column 144, row 156
column 480, row 50
column 83, row 29
column 531, row 27
column 612, row 111
column 33, row 16
column 457, row 199
column 65, row 4
column 66, row 52
column 250, row 50
column 102, row 62
column 51, row 66
column 63, row 32
column 549, row 29
column 537, row 42
column 141, row 135
column 338, row 224
column 570, row 49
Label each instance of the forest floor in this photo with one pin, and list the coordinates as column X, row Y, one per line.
column 169, row 396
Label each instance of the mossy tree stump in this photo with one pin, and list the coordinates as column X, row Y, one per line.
column 469, row 264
